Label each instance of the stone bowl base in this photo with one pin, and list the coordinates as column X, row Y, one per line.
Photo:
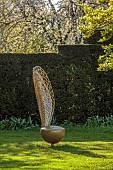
column 52, row 134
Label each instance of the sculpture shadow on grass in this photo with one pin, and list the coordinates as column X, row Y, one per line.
column 78, row 151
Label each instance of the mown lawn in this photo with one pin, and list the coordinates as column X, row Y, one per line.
column 82, row 148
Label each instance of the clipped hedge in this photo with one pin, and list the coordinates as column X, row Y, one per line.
column 80, row 91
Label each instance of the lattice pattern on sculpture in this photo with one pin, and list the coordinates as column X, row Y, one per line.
column 44, row 95
column 46, row 104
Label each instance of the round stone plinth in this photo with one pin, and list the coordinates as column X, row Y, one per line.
column 52, row 134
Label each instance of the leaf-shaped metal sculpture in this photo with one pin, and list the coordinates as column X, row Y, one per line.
column 44, row 94
column 46, row 104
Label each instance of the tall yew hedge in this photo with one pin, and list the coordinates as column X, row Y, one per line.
column 80, row 90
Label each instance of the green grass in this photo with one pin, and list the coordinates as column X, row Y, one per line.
column 82, row 148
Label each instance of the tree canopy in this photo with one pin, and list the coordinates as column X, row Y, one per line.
column 30, row 26
column 99, row 17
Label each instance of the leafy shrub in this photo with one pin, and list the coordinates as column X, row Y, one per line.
column 16, row 123
column 99, row 121
column 80, row 90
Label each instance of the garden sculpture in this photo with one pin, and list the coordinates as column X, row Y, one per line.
column 46, row 105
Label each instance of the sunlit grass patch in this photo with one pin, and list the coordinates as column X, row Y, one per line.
column 82, row 148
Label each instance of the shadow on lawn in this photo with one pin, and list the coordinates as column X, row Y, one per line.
column 8, row 163
column 27, row 144
column 24, row 154
column 40, row 151
column 77, row 150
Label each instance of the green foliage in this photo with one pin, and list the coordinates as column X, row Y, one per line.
column 99, row 121
column 100, row 19
column 14, row 123
column 80, row 91
column 106, row 61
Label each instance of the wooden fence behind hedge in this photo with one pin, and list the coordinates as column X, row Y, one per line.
column 80, row 91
